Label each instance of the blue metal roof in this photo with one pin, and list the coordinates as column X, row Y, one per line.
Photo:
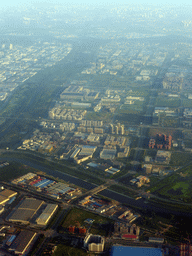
column 135, row 251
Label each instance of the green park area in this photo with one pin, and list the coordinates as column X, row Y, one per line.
column 103, row 115
column 168, row 121
column 110, row 81
column 136, row 106
column 13, row 171
column 131, row 117
column 76, row 217
column 186, row 103
column 162, row 101
column 180, row 158
column 65, row 250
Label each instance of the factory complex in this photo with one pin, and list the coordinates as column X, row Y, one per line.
column 96, row 204
column 83, row 153
column 50, row 187
column 32, row 211
column 103, row 167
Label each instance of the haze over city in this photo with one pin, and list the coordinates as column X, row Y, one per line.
column 95, row 128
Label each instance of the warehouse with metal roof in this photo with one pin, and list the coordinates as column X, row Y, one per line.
column 22, row 242
column 6, row 195
column 25, row 210
column 30, row 204
column 46, row 215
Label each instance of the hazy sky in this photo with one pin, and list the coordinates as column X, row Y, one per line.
column 94, row 2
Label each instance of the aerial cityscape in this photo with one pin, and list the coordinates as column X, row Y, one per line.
column 96, row 130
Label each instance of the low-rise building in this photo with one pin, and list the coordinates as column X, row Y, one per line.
column 22, row 242
column 6, row 195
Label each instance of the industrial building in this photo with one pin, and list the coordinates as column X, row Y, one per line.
column 42, row 183
column 22, row 242
column 25, row 177
column 75, row 153
column 87, row 150
column 163, row 156
column 108, row 153
column 25, row 210
column 94, row 243
column 31, row 210
column 158, row 240
column 95, row 204
column 147, row 168
column 112, row 170
column 6, row 195
column 73, row 92
column 92, row 96
column 46, row 215
column 83, row 153
column 48, row 186
column 119, row 250
column 104, row 167
column 59, row 189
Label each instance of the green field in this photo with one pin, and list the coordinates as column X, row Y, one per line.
column 180, row 158
column 177, row 186
column 123, row 190
column 163, row 101
column 137, row 106
column 187, row 103
column 129, row 117
column 12, row 171
column 64, row 167
column 168, row 121
column 103, row 115
column 76, row 217
column 65, row 250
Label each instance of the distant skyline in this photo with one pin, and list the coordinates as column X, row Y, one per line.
column 95, row 3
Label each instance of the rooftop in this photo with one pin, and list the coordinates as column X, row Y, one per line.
column 135, row 251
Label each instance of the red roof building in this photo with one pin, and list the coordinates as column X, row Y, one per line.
column 129, row 236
